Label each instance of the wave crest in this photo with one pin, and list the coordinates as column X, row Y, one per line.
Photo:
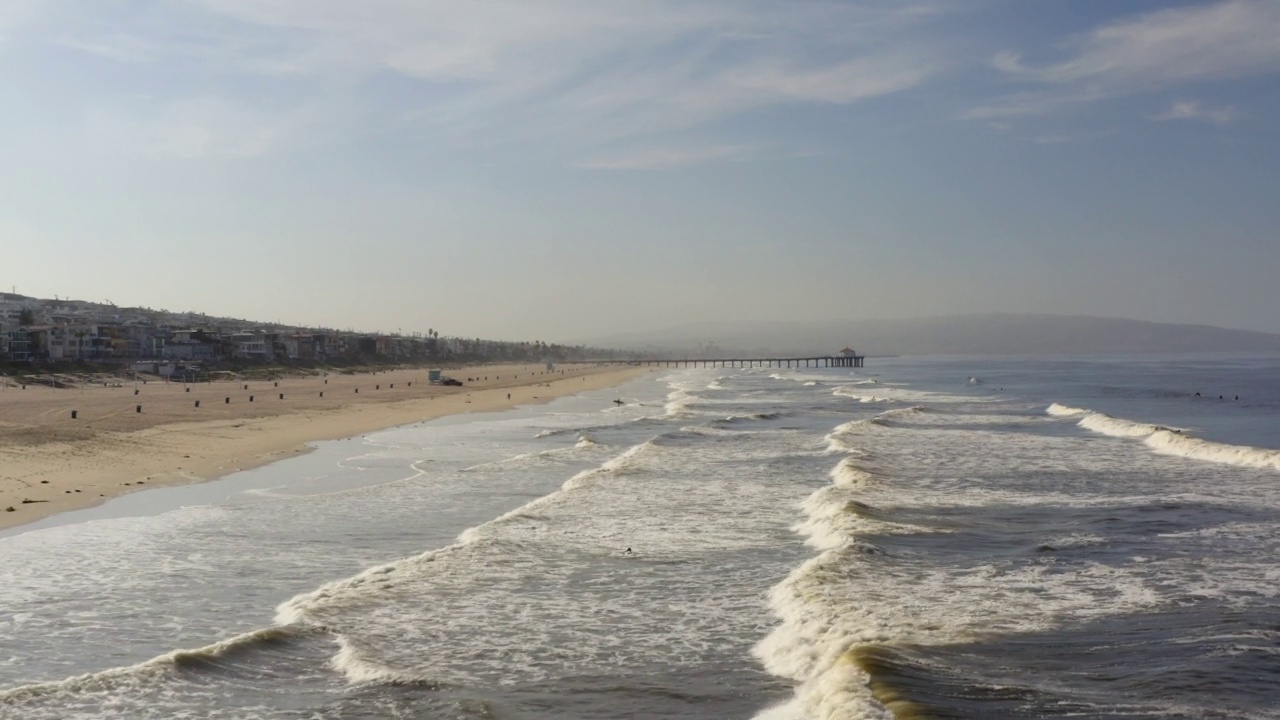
column 1172, row 441
column 145, row 671
column 1116, row 427
column 1167, row 442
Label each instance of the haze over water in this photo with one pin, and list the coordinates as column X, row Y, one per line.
column 927, row 538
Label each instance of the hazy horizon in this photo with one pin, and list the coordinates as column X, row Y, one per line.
column 566, row 170
column 988, row 334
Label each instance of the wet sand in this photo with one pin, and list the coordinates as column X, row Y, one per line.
column 51, row 463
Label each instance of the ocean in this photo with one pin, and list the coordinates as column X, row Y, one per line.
column 920, row 538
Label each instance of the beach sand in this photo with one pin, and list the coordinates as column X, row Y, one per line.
column 51, row 463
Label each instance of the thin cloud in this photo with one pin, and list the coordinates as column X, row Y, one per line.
column 125, row 50
column 838, row 84
column 1189, row 110
column 204, row 127
column 669, row 157
column 212, row 127
column 1220, row 41
column 495, row 71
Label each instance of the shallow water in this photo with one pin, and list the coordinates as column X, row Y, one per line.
column 730, row 543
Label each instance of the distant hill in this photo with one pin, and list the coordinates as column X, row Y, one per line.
column 995, row 334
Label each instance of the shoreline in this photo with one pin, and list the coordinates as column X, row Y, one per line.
column 59, row 464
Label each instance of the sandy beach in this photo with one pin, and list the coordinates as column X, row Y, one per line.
column 51, row 463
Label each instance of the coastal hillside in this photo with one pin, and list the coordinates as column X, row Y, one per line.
column 994, row 334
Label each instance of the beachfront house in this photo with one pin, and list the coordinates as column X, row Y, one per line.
column 188, row 350
column 120, row 340
column 299, row 346
column 249, row 346
column 274, row 343
column 328, row 345
column 144, row 335
column 17, row 344
column 199, row 345
column 55, row 342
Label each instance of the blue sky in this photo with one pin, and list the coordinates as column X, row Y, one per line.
column 556, row 170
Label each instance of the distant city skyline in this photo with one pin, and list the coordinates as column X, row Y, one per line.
column 564, row 170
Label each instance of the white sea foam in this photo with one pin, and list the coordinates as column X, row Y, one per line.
column 848, row 474
column 679, row 403
column 884, row 393
column 1103, row 423
column 839, row 443
column 849, row 596
column 841, row 438
column 561, row 609
column 554, row 431
column 888, row 417
column 545, row 590
column 840, row 692
column 741, row 419
column 301, row 607
column 1173, row 441
column 854, row 594
column 1167, row 442
column 859, row 395
column 1116, row 427
column 550, row 456
column 358, row 667
column 144, row 672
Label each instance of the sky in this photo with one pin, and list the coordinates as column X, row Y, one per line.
column 560, row 170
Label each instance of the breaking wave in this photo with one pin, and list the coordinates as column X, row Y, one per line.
column 840, row 437
column 740, row 419
column 555, row 431
column 1172, row 441
column 890, row 418
column 1116, row 427
column 861, row 597
column 307, row 608
column 679, row 404
column 357, row 667
column 849, row 392
column 1168, row 442
column 152, row 670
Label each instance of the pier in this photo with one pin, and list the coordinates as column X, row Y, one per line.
column 842, row 360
